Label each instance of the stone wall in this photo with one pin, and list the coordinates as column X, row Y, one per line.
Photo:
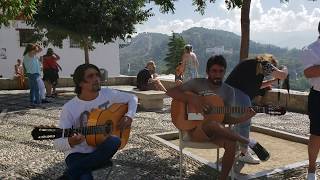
column 296, row 102
column 11, row 84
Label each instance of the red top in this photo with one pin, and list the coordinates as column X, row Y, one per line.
column 50, row 62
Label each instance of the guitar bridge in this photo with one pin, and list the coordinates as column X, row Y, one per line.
column 195, row 117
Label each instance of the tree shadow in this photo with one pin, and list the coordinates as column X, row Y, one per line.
column 145, row 161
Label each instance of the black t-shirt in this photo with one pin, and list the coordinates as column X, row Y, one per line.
column 142, row 78
column 245, row 77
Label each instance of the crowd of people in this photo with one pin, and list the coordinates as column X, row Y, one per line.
column 33, row 67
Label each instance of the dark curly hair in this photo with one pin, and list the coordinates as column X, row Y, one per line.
column 78, row 75
column 217, row 59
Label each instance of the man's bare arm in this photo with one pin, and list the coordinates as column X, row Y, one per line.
column 312, row 72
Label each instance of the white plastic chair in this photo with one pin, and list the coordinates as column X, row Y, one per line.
column 183, row 143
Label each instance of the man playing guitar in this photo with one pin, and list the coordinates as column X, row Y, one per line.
column 210, row 130
column 81, row 158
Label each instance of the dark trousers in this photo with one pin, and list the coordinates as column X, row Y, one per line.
column 314, row 111
column 80, row 165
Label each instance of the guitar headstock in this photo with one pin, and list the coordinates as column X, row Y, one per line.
column 46, row 132
column 275, row 110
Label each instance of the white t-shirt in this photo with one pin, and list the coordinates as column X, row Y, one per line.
column 72, row 110
column 311, row 57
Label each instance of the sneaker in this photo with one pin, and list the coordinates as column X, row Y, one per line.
column 312, row 176
column 260, row 151
column 248, row 158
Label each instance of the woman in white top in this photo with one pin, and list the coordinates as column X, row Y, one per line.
column 190, row 64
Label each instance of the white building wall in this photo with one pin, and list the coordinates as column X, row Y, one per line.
column 104, row 56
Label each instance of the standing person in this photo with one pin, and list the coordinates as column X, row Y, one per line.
column 81, row 158
column 19, row 74
column 311, row 60
column 32, row 68
column 178, row 74
column 42, row 90
column 147, row 79
column 50, row 71
column 210, row 130
column 190, row 64
column 248, row 77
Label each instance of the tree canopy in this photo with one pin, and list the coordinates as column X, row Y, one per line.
column 16, row 9
column 175, row 51
column 91, row 21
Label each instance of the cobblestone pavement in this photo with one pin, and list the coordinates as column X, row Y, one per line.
column 142, row 158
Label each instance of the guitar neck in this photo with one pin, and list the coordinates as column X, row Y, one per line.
column 89, row 130
column 237, row 109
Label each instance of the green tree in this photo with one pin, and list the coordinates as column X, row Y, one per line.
column 13, row 9
column 91, row 21
column 175, row 50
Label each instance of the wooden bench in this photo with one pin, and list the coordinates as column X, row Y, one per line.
column 148, row 100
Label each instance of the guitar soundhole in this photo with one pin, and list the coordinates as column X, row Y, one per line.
column 108, row 127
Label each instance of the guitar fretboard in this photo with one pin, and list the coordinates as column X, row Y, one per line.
column 235, row 109
column 89, row 130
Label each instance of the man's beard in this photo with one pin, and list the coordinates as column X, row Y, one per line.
column 96, row 87
column 217, row 82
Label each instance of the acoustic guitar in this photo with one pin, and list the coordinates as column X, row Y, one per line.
column 186, row 117
column 101, row 124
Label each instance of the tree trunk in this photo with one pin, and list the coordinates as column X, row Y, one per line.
column 86, row 53
column 245, row 29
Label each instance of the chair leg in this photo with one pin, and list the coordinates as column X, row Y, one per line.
column 181, row 162
column 218, row 157
column 181, row 153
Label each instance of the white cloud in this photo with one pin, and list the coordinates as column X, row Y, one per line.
column 280, row 19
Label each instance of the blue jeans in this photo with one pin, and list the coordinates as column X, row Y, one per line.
column 34, row 88
column 80, row 165
column 243, row 129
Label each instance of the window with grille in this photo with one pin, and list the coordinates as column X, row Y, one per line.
column 74, row 44
column 26, row 36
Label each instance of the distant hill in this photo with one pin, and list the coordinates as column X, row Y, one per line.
column 147, row 46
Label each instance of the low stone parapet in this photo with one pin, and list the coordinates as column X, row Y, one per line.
column 148, row 100
column 296, row 101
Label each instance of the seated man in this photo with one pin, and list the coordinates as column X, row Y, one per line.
column 147, row 79
column 81, row 158
column 211, row 130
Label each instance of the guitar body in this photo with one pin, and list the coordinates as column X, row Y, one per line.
column 110, row 116
column 180, row 110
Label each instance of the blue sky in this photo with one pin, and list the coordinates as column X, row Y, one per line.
column 291, row 25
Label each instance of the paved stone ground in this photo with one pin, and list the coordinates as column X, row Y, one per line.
column 142, row 158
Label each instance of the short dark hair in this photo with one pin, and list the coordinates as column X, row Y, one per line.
column 319, row 27
column 217, row 59
column 78, row 75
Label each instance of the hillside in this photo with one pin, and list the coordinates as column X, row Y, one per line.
column 147, row 46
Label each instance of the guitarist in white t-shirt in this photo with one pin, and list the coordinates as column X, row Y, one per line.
column 81, row 158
